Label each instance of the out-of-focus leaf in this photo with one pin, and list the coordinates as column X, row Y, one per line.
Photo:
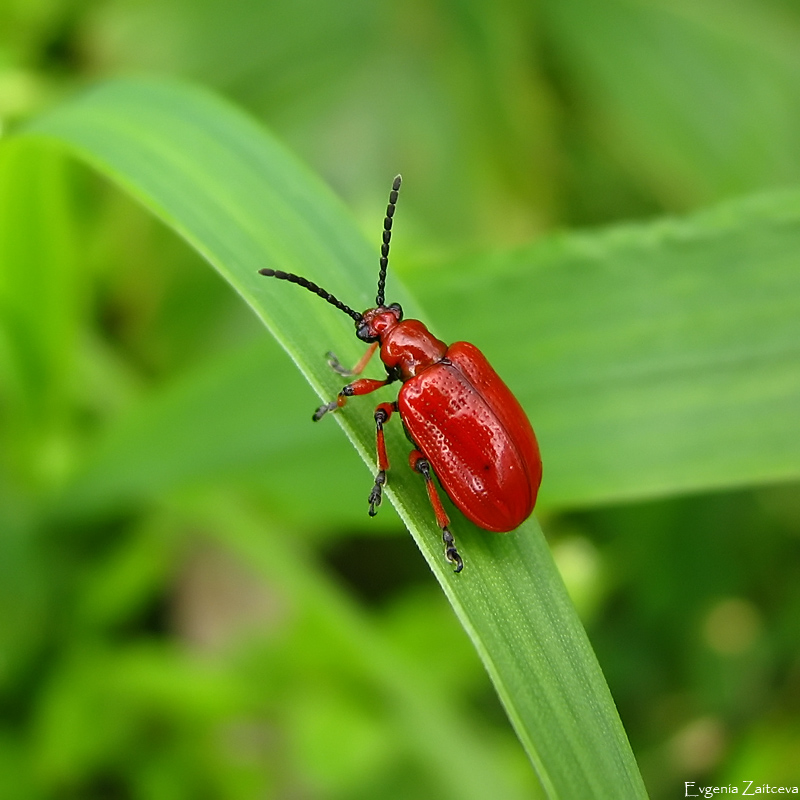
column 40, row 303
column 40, row 298
column 235, row 418
column 652, row 359
column 245, row 203
column 699, row 100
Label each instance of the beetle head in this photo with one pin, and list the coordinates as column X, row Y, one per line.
column 377, row 322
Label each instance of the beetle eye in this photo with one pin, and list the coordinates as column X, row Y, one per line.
column 363, row 333
column 396, row 307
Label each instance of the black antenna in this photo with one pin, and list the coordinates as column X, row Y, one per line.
column 387, row 235
column 312, row 287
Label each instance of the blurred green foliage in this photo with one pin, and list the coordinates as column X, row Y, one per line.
column 147, row 648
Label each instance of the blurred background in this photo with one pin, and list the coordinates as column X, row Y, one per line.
column 155, row 647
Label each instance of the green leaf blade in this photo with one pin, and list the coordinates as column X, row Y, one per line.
column 245, row 203
column 652, row 359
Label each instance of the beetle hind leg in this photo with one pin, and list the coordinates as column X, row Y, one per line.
column 420, row 464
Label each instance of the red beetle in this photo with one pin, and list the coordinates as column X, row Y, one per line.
column 468, row 428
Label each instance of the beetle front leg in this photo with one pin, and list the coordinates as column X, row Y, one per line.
column 420, row 464
column 382, row 414
column 336, row 366
column 359, row 387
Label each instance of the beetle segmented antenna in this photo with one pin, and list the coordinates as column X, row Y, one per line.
column 387, row 235
column 312, row 287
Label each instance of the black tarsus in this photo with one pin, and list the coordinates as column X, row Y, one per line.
column 312, row 287
column 387, row 235
column 375, row 495
column 450, row 552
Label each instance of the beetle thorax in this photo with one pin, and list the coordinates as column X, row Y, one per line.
column 409, row 347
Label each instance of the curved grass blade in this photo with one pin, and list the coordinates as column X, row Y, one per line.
column 243, row 202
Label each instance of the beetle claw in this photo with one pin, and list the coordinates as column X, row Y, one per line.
column 376, row 495
column 450, row 552
column 324, row 409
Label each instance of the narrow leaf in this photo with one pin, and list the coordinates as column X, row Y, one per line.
column 245, row 203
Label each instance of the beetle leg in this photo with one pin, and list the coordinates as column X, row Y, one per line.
column 336, row 366
column 382, row 414
column 359, row 387
column 420, row 464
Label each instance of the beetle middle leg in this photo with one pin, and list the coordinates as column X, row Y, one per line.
column 420, row 464
column 382, row 414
